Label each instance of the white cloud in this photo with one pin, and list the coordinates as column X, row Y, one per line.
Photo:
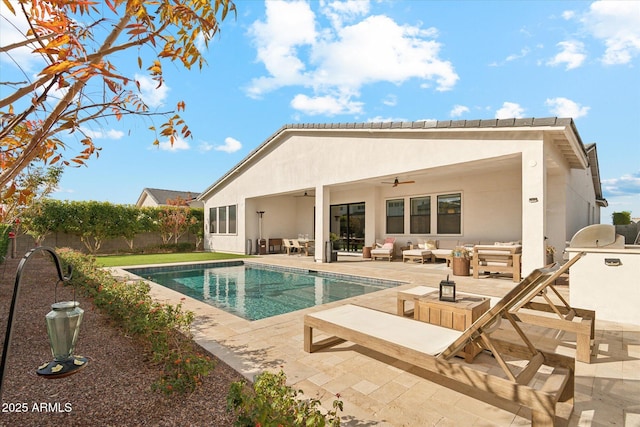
column 568, row 15
column 563, row 107
column 380, row 119
column 287, row 27
column 628, row 184
column 458, row 110
column 151, row 94
column 326, row 104
column 571, row 53
column 178, row 144
column 109, row 134
column 513, row 57
column 617, row 24
column 231, row 145
column 523, row 52
column 13, row 29
column 510, row 110
column 335, row 61
column 390, row 100
column 340, row 11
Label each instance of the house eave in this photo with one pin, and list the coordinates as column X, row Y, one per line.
column 567, row 139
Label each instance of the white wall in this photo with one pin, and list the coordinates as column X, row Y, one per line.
column 580, row 201
column 487, row 168
column 491, row 206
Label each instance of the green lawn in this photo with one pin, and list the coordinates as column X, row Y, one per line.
column 124, row 260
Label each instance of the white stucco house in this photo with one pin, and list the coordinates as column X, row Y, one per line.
column 471, row 180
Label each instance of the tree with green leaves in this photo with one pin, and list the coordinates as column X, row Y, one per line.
column 175, row 219
column 43, row 218
column 33, row 185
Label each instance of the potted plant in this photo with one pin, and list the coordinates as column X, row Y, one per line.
column 460, row 261
column 335, row 239
column 550, row 252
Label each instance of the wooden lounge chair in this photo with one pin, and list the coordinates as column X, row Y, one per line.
column 433, row 348
column 385, row 250
column 559, row 315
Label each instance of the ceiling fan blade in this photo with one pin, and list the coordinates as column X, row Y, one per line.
column 396, row 182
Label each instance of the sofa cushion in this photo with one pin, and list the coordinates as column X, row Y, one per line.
column 416, row 252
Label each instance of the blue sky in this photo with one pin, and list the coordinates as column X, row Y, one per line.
column 285, row 62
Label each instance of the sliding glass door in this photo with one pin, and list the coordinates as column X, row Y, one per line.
column 347, row 227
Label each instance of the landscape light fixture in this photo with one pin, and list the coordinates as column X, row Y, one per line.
column 63, row 325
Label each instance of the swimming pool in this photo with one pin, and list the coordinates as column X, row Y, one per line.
column 257, row 291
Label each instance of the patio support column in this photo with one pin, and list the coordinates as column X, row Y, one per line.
column 533, row 207
column 323, row 204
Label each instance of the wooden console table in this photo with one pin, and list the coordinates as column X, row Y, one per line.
column 458, row 315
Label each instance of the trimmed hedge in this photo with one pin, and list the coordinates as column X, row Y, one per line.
column 162, row 329
column 4, row 240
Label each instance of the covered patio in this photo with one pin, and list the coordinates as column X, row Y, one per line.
column 526, row 180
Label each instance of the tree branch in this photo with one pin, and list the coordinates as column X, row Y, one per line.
column 31, row 150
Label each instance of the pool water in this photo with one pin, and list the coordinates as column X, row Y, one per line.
column 256, row 292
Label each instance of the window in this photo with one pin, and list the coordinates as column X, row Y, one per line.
column 449, row 213
column 420, row 215
column 232, row 219
column 222, row 219
column 395, row 216
column 213, row 220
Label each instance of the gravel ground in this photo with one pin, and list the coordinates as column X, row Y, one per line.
column 113, row 390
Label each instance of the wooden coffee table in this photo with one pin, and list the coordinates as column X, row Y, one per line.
column 458, row 315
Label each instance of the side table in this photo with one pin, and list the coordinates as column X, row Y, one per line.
column 458, row 315
column 366, row 252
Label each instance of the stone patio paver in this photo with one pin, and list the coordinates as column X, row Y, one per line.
column 382, row 391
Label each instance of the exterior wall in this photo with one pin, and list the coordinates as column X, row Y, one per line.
column 515, row 185
column 606, row 281
column 148, row 202
column 287, row 216
column 581, row 202
column 495, row 195
column 556, row 208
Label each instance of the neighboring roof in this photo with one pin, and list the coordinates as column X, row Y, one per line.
column 575, row 159
column 160, row 197
column 592, row 153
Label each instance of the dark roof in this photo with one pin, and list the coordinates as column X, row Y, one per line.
column 592, row 154
column 421, row 124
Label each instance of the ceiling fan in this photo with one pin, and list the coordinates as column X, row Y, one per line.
column 306, row 194
column 395, row 182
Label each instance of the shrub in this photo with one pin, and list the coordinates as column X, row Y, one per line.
column 163, row 329
column 621, row 218
column 4, row 240
column 271, row 402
